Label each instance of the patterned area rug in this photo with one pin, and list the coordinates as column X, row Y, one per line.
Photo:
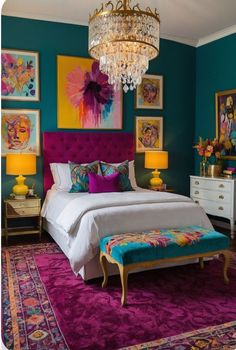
column 45, row 307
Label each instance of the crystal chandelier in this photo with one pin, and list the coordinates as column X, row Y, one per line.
column 124, row 39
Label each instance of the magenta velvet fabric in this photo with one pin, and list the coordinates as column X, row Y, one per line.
column 99, row 183
column 84, row 147
column 161, row 303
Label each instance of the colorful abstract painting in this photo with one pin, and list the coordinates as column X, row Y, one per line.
column 226, row 121
column 85, row 100
column 149, row 134
column 149, row 94
column 20, row 131
column 20, row 75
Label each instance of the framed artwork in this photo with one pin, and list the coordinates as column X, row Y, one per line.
column 20, row 75
column 85, row 99
column 149, row 134
column 149, row 94
column 226, row 121
column 20, row 131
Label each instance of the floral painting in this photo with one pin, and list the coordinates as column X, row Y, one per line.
column 20, row 75
column 149, row 94
column 85, row 99
column 20, row 131
column 149, row 134
column 226, row 121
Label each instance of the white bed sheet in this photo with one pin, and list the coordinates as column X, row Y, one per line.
column 84, row 224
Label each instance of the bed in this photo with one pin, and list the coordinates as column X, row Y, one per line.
column 77, row 221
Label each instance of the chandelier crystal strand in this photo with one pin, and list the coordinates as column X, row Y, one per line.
column 124, row 40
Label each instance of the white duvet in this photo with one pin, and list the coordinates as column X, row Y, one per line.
column 87, row 217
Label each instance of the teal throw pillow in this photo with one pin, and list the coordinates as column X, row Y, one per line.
column 79, row 176
column 122, row 169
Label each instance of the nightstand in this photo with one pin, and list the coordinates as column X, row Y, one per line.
column 160, row 189
column 23, row 208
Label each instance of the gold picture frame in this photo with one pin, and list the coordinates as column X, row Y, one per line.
column 225, row 105
column 149, row 94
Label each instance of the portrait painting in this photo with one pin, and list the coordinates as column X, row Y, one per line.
column 226, row 121
column 149, row 134
column 149, row 94
column 85, row 99
column 20, row 75
column 20, row 131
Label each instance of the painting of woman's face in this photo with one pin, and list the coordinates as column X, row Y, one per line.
column 20, row 131
column 149, row 94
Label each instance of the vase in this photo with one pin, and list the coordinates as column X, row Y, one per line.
column 204, row 166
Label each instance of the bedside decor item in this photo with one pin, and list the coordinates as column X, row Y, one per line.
column 20, row 131
column 225, row 102
column 149, row 134
column 85, row 99
column 208, row 149
column 156, row 160
column 20, row 164
column 124, row 38
column 20, row 75
column 149, row 94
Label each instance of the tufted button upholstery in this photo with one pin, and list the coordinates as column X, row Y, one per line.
column 59, row 147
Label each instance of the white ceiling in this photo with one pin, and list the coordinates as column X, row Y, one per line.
column 194, row 22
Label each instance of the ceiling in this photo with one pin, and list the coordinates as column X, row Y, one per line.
column 194, row 22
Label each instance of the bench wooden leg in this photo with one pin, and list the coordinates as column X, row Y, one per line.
column 103, row 262
column 201, row 262
column 226, row 265
column 124, row 281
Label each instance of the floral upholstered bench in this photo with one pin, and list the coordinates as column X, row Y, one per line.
column 150, row 248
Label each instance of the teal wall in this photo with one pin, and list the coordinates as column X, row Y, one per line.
column 176, row 63
column 215, row 71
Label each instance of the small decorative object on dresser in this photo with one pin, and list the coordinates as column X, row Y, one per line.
column 22, row 208
column 216, row 196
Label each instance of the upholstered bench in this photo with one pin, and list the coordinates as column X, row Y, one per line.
column 149, row 248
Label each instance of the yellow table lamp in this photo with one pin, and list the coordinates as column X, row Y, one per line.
column 20, row 164
column 156, row 160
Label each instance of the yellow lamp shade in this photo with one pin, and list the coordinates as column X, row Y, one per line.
column 156, row 160
column 20, row 164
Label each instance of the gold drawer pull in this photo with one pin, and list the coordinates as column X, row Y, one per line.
column 197, row 202
column 221, row 197
column 196, row 182
column 221, row 186
column 221, row 208
column 196, row 192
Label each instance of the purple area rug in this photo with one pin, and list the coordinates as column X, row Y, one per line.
column 45, row 306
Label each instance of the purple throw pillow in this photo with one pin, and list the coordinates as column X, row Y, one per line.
column 99, row 183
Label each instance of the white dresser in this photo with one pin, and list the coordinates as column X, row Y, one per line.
column 216, row 196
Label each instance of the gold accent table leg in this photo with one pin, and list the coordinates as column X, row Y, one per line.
column 104, row 269
column 226, row 265
column 201, row 262
column 124, row 280
column 6, row 231
column 40, row 228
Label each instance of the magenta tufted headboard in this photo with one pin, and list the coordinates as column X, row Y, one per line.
column 59, row 147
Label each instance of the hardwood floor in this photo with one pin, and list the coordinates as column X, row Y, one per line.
column 32, row 239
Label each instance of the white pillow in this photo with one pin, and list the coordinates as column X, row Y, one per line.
column 61, row 176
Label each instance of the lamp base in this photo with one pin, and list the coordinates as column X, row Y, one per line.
column 20, row 189
column 156, row 180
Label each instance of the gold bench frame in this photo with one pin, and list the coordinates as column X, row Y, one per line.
column 124, row 269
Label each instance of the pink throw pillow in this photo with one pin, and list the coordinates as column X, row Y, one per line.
column 99, row 183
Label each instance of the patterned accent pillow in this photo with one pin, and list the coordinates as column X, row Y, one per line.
column 123, row 169
column 79, row 175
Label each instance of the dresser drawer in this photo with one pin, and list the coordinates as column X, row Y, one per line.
column 24, row 204
column 22, row 211
column 214, row 208
column 213, row 195
column 221, row 185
